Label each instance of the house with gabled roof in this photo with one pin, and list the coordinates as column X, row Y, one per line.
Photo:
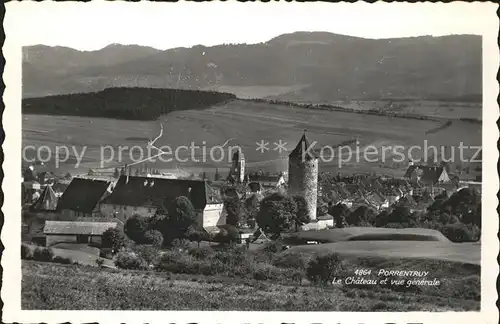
column 143, row 196
column 82, row 198
column 75, row 232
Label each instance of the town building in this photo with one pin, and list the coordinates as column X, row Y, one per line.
column 303, row 175
column 82, row 198
column 265, row 181
column 47, row 202
column 237, row 172
column 431, row 180
column 143, row 196
column 75, row 232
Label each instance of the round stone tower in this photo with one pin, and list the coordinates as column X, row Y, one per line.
column 303, row 175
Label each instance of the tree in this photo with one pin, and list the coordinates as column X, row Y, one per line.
column 400, row 214
column 196, row 234
column 233, row 210
column 277, row 214
column 227, row 234
column 150, row 254
column 113, row 238
column 324, row 268
column 180, row 216
column 136, row 227
column 154, row 238
column 302, row 215
column 339, row 213
column 252, row 205
column 360, row 216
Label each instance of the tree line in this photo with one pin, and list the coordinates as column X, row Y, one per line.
column 124, row 103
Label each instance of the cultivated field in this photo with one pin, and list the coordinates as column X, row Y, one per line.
column 369, row 234
column 245, row 123
column 468, row 253
column 51, row 286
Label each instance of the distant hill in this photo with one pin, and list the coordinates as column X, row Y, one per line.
column 124, row 103
column 316, row 66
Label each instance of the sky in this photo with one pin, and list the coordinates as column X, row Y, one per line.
column 90, row 26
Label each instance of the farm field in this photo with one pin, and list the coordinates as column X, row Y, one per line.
column 244, row 124
column 369, row 234
column 51, row 286
column 468, row 253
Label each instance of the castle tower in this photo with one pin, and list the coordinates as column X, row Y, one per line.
column 303, row 175
column 238, row 167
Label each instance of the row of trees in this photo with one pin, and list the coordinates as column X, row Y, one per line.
column 457, row 217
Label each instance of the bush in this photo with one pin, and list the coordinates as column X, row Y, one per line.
column 106, row 253
column 113, row 239
column 153, row 237
column 99, row 262
column 26, row 253
column 264, row 271
column 290, row 260
column 180, row 244
column 43, row 254
column 201, row 253
column 136, row 227
column 129, row 261
column 457, row 233
column 62, row 260
column 149, row 254
column 274, row 246
column 324, row 268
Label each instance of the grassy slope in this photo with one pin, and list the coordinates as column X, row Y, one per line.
column 53, row 286
column 246, row 123
column 360, row 233
column 469, row 253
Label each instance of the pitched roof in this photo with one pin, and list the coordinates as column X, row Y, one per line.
column 428, row 174
column 301, row 149
column 47, row 200
column 144, row 191
column 82, row 195
column 72, row 228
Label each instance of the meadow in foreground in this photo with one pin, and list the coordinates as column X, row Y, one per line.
column 71, row 287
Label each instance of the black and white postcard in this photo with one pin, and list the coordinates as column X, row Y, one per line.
column 227, row 162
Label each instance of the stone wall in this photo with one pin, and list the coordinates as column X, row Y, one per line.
column 303, row 180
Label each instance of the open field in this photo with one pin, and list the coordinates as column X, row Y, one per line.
column 437, row 109
column 252, row 92
column 369, row 234
column 468, row 253
column 52, row 286
column 245, row 123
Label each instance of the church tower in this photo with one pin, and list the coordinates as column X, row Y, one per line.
column 238, row 167
column 303, row 175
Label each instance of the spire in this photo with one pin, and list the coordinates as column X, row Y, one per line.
column 300, row 150
column 47, row 200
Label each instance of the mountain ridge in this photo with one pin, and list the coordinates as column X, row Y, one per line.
column 326, row 66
